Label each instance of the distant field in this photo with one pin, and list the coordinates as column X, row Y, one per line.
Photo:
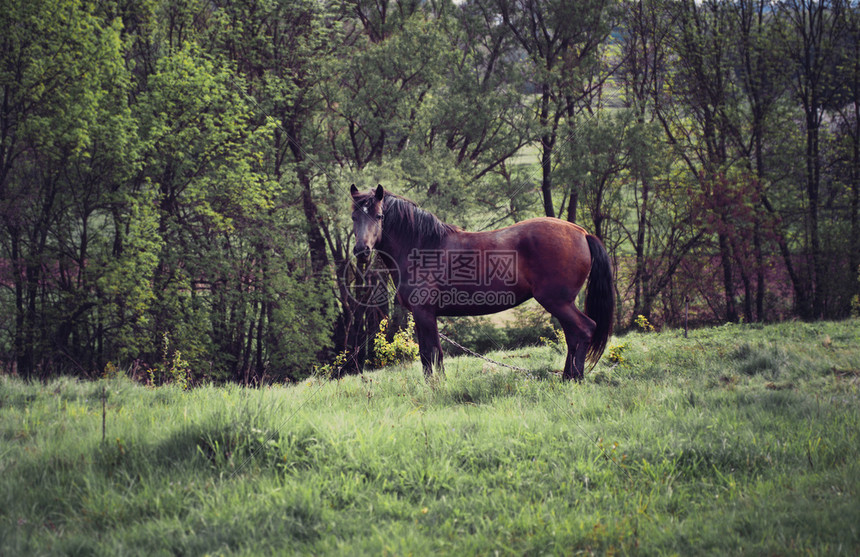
column 738, row 440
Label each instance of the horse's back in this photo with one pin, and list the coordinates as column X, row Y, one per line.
column 547, row 234
column 549, row 252
column 531, row 233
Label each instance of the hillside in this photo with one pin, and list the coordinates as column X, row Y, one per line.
column 737, row 440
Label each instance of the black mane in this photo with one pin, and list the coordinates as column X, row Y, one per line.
column 403, row 218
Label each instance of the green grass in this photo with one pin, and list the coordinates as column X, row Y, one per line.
column 738, row 440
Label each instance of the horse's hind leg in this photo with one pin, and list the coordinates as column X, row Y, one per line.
column 578, row 329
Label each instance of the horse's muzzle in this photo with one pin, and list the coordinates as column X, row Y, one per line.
column 361, row 251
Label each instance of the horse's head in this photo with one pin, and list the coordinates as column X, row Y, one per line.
column 366, row 219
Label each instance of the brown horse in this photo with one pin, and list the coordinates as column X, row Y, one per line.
column 444, row 270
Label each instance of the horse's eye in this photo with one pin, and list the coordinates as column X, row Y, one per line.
column 378, row 217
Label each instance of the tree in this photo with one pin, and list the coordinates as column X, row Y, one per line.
column 810, row 30
column 762, row 70
column 661, row 236
column 562, row 41
column 63, row 125
column 846, row 108
column 700, row 124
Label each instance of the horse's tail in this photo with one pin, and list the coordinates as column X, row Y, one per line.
column 599, row 298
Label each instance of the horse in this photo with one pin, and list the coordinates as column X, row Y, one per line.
column 446, row 271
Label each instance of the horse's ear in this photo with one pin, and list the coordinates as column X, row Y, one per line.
column 353, row 190
column 380, row 193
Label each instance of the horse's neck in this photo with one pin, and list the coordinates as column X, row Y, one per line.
column 413, row 237
column 397, row 252
column 402, row 250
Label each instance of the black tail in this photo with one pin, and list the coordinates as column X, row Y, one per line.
column 599, row 298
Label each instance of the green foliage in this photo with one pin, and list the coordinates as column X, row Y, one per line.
column 476, row 333
column 615, row 354
column 643, row 324
column 400, row 350
column 333, row 368
column 302, row 318
column 528, row 326
column 67, row 144
column 520, row 336
column 112, row 372
column 557, row 343
column 171, row 369
column 125, row 281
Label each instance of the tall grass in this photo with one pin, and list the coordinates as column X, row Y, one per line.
column 738, row 440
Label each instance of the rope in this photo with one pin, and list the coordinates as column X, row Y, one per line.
column 475, row 354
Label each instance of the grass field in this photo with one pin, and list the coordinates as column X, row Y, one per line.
column 738, row 440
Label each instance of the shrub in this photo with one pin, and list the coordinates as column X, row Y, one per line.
column 401, row 349
column 333, row 368
column 517, row 337
column 558, row 343
column 475, row 333
column 615, row 354
column 644, row 325
column 172, row 368
column 531, row 324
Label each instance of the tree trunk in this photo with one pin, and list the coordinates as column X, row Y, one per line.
column 573, row 203
column 728, row 278
column 813, row 181
column 760, row 278
column 641, row 278
column 316, row 241
column 854, row 173
column 547, row 141
column 23, row 358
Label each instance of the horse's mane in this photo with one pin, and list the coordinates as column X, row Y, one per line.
column 403, row 218
column 406, row 219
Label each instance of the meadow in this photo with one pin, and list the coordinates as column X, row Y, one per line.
column 741, row 439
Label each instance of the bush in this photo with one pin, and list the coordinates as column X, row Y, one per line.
column 530, row 325
column 475, row 333
column 172, row 368
column 481, row 335
column 530, row 335
column 401, row 349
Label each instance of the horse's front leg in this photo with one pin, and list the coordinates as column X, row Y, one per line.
column 429, row 348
